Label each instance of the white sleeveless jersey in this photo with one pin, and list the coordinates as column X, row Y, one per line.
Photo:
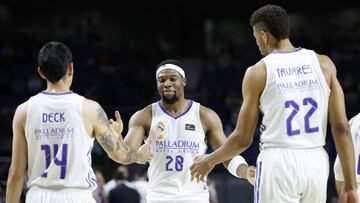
column 355, row 132
column 176, row 141
column 59, row 148
column 294, row 102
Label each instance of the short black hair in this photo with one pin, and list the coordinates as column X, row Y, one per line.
column 170, row 61
column 273, row 19
column 53, row 59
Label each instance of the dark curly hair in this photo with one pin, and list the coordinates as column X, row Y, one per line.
column 273, row 19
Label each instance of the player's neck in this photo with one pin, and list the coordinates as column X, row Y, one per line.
column 177, row 108
column 59, row 87
column 283, row 46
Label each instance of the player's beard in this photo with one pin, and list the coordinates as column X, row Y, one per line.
column 171, row 100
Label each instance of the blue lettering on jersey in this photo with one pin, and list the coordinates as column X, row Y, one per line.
column 294, row 71
column 57, row 133
column 178, row 144
column 297, row 85
column 53, row 117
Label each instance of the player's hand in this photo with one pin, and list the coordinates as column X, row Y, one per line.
column 117, row 125
column 145, row 155
column 201, row 168
column 251, row 174
column 349, row 197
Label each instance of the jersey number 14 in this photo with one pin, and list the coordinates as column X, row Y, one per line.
column 57, row 161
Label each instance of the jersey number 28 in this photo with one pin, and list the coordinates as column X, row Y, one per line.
column 178, row 160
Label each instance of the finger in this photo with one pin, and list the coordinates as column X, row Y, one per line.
column 117, row 116
column 203, row 178
column 192, row 172
column 193, row 177
column 198, row 178
column 111, row 120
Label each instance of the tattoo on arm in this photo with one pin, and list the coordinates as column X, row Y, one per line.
column 106, row 141
column 102, row 117
column 132, row 156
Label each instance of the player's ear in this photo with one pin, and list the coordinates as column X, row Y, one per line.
column 41, row 73
column 184, row 81
column 264, row 35
column 70, row 69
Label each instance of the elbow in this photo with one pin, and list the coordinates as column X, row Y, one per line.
column 341, row 129
column 119, row 157
column 241, row 140
column 16, row 174
column 246, row 143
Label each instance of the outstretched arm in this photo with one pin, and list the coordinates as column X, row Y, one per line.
column 109, row 138
column 138, row 124
column 17, row 169
column 214, row 132
column 143, row 154
column 241, row 137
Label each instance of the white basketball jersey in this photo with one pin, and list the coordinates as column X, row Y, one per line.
column 176, row 141
column 59, row 148
column 355, row 132
column 294, row 102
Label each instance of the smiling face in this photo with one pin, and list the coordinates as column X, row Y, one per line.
column 170, row 85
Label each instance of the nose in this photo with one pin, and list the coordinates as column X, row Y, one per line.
column 167, row 83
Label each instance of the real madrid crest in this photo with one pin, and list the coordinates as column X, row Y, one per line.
column 160, row 129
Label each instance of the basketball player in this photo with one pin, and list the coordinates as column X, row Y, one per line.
column 53, row 134
column 296, row 89
column 178, row 129
column 339, row 177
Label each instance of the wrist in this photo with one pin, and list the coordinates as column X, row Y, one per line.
column 238, row 166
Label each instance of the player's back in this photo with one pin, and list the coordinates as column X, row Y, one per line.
column 59, row 148
column 294, row 101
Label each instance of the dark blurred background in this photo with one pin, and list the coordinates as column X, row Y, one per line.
column 117, row 45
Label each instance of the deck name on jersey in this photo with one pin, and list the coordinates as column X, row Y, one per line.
column 53, row 117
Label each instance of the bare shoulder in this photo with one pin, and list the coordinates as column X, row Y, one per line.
column 207, row 113
column 142, row 116
column 91, row 107
column 90, row 104
column 209, row 118
column 257, row 71
column 255, row 79
column 325, row 61
column 22, row 107
column 20, row 113
column 327, row 67
column 94, row 112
